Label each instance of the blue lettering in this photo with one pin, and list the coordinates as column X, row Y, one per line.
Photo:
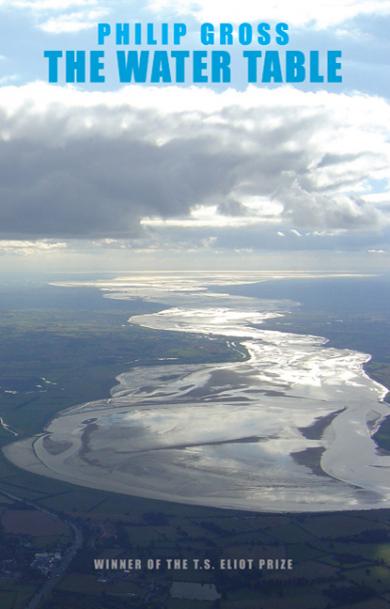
column 160, row 69
column 75, row 66
column 252, row 57
column 97, row 66
column 132, row 66
column 295, row 66
column 122, row 35
column 104, row 30
column 221, row 71
column 180, row 59
column 200, row 66
column 315, row 75
column 179, row 31
column 283, row 37
column 334, row 66
column 245, row 33
column 207, row 35
column 53, row 57
column 264, row 36
column 272, row 71
column 226, row 34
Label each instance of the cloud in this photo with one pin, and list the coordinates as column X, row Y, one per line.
column 73, row 22
column 61, row 16
column 8, row 79
column 48, row 5
column 326, row 13
column 57, row 16
column 117, row 164
column 27, row 248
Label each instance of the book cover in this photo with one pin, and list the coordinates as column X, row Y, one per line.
column 194, row 304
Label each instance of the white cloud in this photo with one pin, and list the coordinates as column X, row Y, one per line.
column 256, row 212
column 72, row 22
column 321, row 14
column 28, row 248
column 9, row 79
column 58, row 16
column 300, row 13
column 48, row 5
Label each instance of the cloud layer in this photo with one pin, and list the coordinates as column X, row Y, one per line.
column 114, row 164
column 57, row 16
column 324, row 14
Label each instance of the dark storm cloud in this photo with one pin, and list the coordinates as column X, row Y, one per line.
column 99, row 187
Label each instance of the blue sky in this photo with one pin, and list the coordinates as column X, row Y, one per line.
column 136, row 176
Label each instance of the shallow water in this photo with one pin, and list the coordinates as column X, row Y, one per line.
column 226, row 434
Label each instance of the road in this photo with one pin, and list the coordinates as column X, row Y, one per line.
column 78, row 540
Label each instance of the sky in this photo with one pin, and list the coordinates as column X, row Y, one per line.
column 239, row 177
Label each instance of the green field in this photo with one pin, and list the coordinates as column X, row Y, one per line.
column 340, row 561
